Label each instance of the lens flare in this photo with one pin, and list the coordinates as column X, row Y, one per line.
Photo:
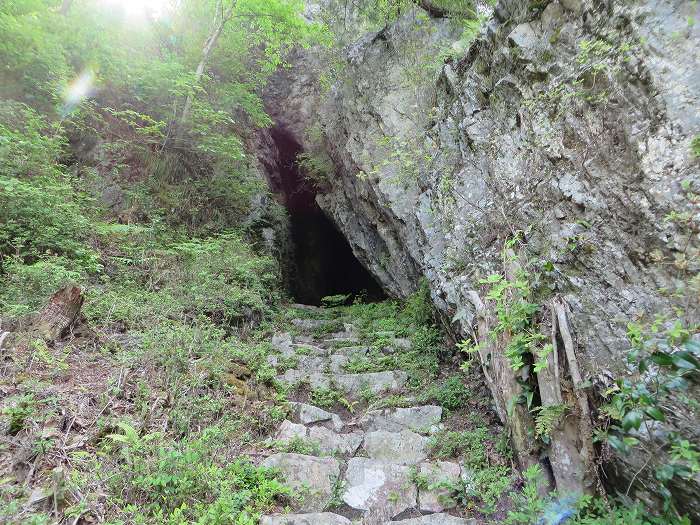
column 559, row 511
column 78, row 90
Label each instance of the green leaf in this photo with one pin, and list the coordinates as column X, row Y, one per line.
column 643, row 366
column 655, row 413
column 692, row 346
column 662, row 359
column 492, row 279
column 665, row 473
column 685, row 360
column 119, row 438
column 632, row 420
column 618, row 444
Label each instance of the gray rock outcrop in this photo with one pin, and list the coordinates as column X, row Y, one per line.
column 568, row 125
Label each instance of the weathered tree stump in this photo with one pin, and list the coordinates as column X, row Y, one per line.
column 59, row 314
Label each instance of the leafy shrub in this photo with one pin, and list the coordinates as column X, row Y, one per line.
column 325, row 397
column 157, row 276
column 695, row 146
column 39, row 212
column 26, row 287
column 530, row 507
column 419, row 306
column 452, row 394
column 18, row 411
column 169, row 482
column 488, row 485
column 664, row 361
column 469, row 445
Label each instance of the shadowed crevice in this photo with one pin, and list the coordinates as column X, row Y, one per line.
column 324, row 263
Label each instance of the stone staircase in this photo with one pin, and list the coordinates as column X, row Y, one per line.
column 367, row 467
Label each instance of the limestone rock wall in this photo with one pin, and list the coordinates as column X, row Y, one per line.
column 570, row 122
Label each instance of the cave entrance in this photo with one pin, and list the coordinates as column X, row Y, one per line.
column 323, row 262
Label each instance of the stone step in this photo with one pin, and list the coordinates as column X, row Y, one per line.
column 327, row 441
column 307, row 307
column 318, row 361
column 435, row 481
column 312, row 478
column 382, row 487
column 309, row 325
column 337, row 363
column 435, row 519
column 352, row 385
column 342, row 337
column 421, row 419
column 318, row 518
column 350, row 351
column 294, row 376
column 284, row 343
column 313, row 364
column 404, row 448
column 311, row 415
column 314, row 349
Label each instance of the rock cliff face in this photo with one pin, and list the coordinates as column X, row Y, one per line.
column 567, row 124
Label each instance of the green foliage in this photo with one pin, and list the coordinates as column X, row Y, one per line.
column 481, row 480
column 220, row 278
column 547, row 418
column 372, row 318
column 419, row 306
column 489, row 485
column 335, row 300
column 695, row 146
column 516, row 315
column 666, row 359
column 40, row 211
column 27, row 286
column 325, row 397
column 18, row 411
column 168, row 482
column 298, row 445
column 530, row 507
column 317, row 167
column 451, row 394
column 470, row 445
column 45, row 225
column 32, row 55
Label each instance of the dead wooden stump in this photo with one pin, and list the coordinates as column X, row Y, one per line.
column 59, row 314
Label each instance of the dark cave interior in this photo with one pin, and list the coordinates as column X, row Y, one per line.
column 324, row 263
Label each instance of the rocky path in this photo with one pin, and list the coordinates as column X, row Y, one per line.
column 369, row 467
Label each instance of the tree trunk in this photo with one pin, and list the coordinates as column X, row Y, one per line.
column 504, row 383
column 222, row 18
